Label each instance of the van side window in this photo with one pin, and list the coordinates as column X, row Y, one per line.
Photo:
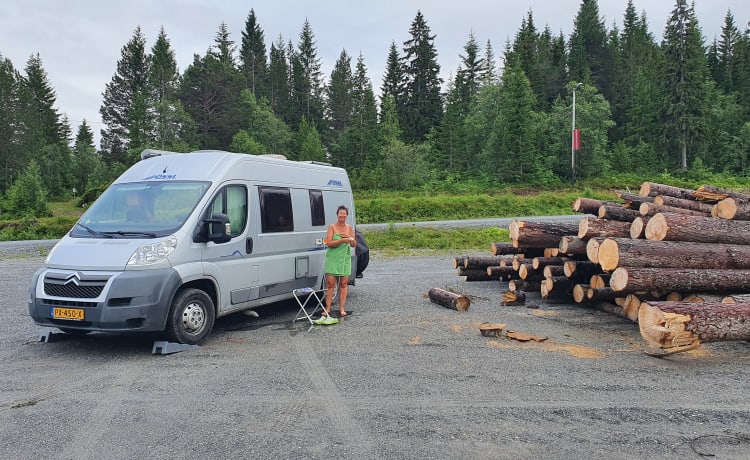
column 232, row 201
column 317, row 211
column 275, row 210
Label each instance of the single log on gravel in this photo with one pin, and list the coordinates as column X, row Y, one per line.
column 638, row 227
column 685, row 325
column 618, row 213
column 600, row 280
column 649, row 209
column 590, row 205
column 632, row 279
column 692, row 205
column 653, row 189
column 592, row 249
column 572, row 245
column 449, row 299
column 474, row 274
column 626, row 252
column 491, row 329
column 732, row 208
column 581, row 269
column 501, row 273
column 523, row 285
column 711, row 193
column 633, row 201
column 485, row 261
column 540, row 234
column 498, row 249
column 592, row 227
column 538, row 263
column 513, row 298
column 553, row 270
column 681, row 227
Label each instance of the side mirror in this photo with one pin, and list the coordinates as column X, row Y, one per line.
column 218, row 228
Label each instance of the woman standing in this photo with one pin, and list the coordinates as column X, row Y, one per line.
column 340, row 240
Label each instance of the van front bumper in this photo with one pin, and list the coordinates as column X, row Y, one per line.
column 129, row 301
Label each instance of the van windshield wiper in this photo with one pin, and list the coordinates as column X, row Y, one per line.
column 94, row 232
column 121, row 233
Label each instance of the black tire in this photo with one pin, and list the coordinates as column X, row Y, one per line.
column 191, row 317
column 76, row 332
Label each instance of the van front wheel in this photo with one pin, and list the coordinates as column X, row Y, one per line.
column 191, row 317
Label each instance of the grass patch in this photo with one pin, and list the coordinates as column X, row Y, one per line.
column 400, row 241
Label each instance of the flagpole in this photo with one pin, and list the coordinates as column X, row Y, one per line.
column 572, row 137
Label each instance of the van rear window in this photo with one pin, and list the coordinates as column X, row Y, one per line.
column 276, row 210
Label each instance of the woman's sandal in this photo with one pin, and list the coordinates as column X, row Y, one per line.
column 343, row 313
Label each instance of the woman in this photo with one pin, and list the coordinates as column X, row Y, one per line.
column 340, row 240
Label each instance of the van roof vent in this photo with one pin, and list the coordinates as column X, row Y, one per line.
column 313, row 162
column 150, row 153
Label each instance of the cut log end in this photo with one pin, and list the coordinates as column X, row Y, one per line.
column 665, row 330
column 449, row 299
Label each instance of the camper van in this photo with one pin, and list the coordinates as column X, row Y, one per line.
column 181, row 239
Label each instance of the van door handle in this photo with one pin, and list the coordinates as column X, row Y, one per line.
column 249, row 245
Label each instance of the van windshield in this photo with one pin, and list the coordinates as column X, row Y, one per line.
column 140, row 210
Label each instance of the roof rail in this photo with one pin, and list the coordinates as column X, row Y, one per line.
column 150, row 153
column 314, row 162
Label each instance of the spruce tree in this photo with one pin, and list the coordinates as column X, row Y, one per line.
column 423, row 105
column 308, row 88
column 589, row 59
column 278, row 80
column 253, row 59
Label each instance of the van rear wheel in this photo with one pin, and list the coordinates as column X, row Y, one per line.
column 191, row 316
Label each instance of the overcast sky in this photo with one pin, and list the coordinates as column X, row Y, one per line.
column 80, row 41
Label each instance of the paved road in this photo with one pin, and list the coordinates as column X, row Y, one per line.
column 401, row 378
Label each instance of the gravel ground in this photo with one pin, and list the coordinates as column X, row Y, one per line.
column 402, row 378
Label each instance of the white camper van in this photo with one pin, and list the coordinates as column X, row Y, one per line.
column 181, row 239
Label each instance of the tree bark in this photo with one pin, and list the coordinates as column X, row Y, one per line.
column 523, row 285
column 553, row 270
column 625, row 252
column 680, row 227
column 538, row 263
column 485, row 261
column 449, row 299
column 649, row 209
column 527, row 272
column 591, row 227
column 692, row 205
column 474, row 274
column 502, row 273
column 653, row 189
column 540, row 234
column 580, row 269
column 618, row 213
column 590, row 205
column 600, row 294
column 572, row 246
column 630, row 279
column 633, row 201
column 498, row 249
column 683, row 324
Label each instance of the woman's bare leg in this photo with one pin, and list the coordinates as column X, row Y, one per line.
column 343, row 291
column 330, row 284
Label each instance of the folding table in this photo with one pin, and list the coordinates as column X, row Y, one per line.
column 310, row 300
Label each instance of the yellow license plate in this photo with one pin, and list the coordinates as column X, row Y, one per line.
column 75, row 314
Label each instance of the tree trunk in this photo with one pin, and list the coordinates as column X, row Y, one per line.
column 653, row 189
column 540, row 234
column 474, row 274
column 680, row 227
column 685, row 325
column 711, row 193
column 523, row 285
column 502, row 273
column 498, row 249
column 579, row 293
column 485, row 261
column 625, row 252
column 600, row 280
column 638, row 227
column 683, row 203
column 649, row 209
column 633, row 201
column 553, row 270
column 590, row 205
column 449, row 299
column 538, row 263
column 591, row 227
column 581, row 269
column 631, row 279
column 572, row 246
column 600, row 294
column 732, row 208
column 527, row 272
column 557, row 283
column 592, row 249
column 618, row 213
column 459, row 261
column 514, row 298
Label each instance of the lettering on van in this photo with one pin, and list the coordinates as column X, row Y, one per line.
column 335, row 183
column 160, row 177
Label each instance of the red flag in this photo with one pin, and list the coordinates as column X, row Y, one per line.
column 576, row 139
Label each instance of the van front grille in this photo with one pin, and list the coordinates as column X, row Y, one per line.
column 74, row 285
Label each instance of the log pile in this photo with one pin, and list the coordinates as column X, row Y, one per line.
column 675, row 260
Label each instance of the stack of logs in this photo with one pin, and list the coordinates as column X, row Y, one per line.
column 675, row 260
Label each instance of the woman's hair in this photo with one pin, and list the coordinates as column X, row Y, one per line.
column 341, row 206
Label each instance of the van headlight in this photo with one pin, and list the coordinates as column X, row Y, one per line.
column 153, row 253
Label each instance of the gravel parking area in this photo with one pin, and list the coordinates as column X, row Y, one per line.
column 400, row 378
